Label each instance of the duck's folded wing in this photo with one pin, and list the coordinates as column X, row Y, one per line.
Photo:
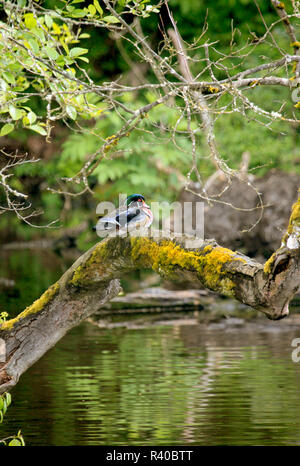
column 109, row 222
column 117, row 219
column 129, row 215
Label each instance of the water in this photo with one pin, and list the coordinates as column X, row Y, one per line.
column 179, row 382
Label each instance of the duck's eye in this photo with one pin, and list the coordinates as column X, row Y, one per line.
column 139, row 200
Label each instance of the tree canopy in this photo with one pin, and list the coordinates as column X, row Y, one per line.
column 103, row 85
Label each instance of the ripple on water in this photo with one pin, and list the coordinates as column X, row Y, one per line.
column 195, row 384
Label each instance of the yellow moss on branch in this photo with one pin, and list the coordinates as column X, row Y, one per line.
column 164, row 257
column 83, row 272
column 295, row 216
column 294, row 220
column 212, row 89
column 269, row 263
column 208, row 263
column 35, row 307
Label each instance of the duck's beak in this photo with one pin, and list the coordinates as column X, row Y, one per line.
column 146, row 205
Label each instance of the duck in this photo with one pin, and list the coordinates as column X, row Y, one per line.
column 135, row 214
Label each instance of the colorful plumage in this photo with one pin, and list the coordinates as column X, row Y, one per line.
column 135, row 214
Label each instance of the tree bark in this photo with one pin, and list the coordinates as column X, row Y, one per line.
column 93, row 280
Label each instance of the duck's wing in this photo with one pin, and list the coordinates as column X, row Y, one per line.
column 127, row 216
column 118, row 219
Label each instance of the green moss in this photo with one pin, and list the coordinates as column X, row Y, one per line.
column 80, row 273
column 35, row 307
column 268, row 264
column 163, row 257
column 97, row 259
column 295, row 216
column 294, row 221
column 166, row 256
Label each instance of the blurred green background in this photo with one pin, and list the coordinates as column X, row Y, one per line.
column 275, row 146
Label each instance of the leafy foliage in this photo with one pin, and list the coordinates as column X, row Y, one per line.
column 5, row 401
column 130, row 170
column 39, row 58
column 48, row 48
column 14, row 440
column 3, row 316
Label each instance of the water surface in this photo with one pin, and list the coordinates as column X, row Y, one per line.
column 173, row 383
column 179, row 382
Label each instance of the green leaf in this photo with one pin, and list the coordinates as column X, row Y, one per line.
column 15, row 113
column 40, row 33
column 20, row 437
column 92, row 9
column 98, row 7
column 84, row 59
column 77, row 51
column 4, row 409
column 15, row 443
column 77, row 13
column 7, row 128
column 51, row 52
column 31, row 117
column 30, row 21
column 34, row 45
column 48, row 21
column 61, row 60
column 110, row 19
column 38, row 129
column 9, row 77
column 71, row 112
column 1, row 403
column 8, row 398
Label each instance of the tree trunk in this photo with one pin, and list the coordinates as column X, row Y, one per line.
column 93, row 280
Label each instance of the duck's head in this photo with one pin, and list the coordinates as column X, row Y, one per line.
column 136, row 198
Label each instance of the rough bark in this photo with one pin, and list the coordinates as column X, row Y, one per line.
column 93, row 281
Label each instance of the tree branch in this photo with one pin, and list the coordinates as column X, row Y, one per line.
column 280, row 9
column 93, row 280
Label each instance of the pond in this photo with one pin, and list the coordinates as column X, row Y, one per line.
column 167, row 382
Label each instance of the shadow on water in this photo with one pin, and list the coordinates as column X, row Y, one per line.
column 168, row 382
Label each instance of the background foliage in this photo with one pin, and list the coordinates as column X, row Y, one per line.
column 98, row 53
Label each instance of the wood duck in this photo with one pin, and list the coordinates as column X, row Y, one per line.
column 134, row 214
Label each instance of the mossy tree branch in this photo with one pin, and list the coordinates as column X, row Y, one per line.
column 94, row 279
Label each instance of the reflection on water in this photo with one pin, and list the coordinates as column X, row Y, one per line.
column 179, row 384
